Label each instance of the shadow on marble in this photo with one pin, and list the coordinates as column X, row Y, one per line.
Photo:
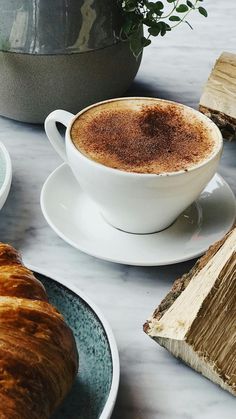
column 13, row 124
column 141, row 88
column 162, row 275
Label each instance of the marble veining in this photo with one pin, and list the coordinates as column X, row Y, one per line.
column 153, row 385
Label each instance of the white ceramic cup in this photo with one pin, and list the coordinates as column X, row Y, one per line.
column 134, row 202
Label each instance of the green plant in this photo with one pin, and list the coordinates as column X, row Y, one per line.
column 159, row 18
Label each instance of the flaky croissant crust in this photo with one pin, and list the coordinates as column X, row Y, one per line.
column 38, row 355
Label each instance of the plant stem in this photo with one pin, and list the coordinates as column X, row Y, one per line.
column 169, row 14
column 184, row 17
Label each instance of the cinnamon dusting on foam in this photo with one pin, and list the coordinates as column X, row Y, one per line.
column 143, row 136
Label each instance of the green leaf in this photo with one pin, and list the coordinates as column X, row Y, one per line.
column 168, row 28
column 163, row 31
column 148, row 22
column 150, row 5
column 149, row 15
column 174, row 18
column 130, row 5
column 145, row 41
column 155, row 7
column 171, row 1
column 182, row 8
column 159, row 5
column 190, row 4
column 155, row 30
column 164, row 27
column 203, row 11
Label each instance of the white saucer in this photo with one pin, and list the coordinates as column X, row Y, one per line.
column 5, row 174
column 75, row 218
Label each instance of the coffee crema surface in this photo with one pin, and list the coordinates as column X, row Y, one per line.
column 143, row 136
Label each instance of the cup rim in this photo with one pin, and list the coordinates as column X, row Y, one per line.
column 120, row 172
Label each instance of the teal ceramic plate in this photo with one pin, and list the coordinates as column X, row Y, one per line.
column 94, row 392
column 5, row 174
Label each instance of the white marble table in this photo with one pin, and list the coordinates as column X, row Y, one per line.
column 153, row 384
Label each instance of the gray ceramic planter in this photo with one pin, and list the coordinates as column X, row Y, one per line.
column 60, row 54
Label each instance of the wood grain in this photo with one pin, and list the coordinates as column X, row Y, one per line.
column 198, row 324
column 218, row 100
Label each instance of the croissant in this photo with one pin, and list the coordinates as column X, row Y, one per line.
column 38, row 355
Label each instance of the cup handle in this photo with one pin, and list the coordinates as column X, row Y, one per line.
column 52, row 132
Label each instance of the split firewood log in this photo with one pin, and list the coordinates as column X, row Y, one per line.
column 218, row 100
column 196, row 321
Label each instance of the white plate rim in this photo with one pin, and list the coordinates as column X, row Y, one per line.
column 110, row 403
column 5, row 188
column 143, row 263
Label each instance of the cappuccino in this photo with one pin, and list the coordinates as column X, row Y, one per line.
column 143, row 136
